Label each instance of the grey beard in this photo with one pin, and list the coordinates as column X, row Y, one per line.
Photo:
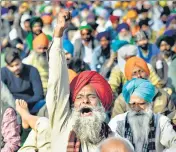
column 88, row 128
column 139, row 123
column 41, row 59
column 125, row 38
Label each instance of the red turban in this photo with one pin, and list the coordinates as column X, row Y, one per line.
column 114, row 19
column 101, row 86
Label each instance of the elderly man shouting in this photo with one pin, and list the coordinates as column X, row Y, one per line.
column 70, row 129
column 145, row 130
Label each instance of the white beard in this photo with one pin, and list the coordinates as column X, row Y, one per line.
column 125, row 38
column 139, row 123
column 88, row 128
column 41, row 59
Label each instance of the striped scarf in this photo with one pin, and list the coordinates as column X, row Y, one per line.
column 147, row 147
column 74, row 144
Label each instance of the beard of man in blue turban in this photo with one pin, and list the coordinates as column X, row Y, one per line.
column 139, row 94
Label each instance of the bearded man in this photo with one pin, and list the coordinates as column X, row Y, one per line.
column 144, row 129
column 38, row 58
column 76, row 129
column 165, row 62
column 124, row 33
column 136, row 67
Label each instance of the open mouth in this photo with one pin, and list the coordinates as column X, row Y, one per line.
column 86, row 111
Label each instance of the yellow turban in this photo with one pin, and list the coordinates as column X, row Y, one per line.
column 125, row 5
column 40, row 40
column 71, row 74
column 117, row 4
column 132, row 14
column 25, row 4
column 132, row 4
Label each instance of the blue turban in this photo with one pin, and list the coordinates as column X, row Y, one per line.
column 139, row 87
column 68, row 46
column 123, row 26
column 75, row 13
column 103, row 34
column 117, row 44
column 171, row 33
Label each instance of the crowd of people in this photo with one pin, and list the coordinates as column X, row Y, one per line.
column 92, row 76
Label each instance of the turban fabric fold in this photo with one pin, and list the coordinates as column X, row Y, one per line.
column 117, row 44
column 114, row 18
column 40, row 40
column 123, row 26
column 101, row 86
column 139, row 87
column 71, row 74
column 168, row 39
column 131, row 63
column 105, row 34
column 68, row 46
column 35, row 20
column 127, row 50
column 87, row 27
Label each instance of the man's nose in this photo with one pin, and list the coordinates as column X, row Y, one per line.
column 139, row 75
column 137, row 108
column 86, row 100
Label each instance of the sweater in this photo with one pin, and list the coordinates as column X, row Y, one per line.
column 27, row 87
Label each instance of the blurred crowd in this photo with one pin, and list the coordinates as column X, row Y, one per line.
column 120, row 40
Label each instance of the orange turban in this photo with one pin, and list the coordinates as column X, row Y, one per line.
column 40, row 40
column 101, row 86
column 71, row 74
column 131, row 63
column 47, row 19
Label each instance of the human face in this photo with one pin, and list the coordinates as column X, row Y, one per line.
column 115, row 24
column 139, row 73
column 164, row 46
column 86, row 35
column 86, row 97
column 142, row 43
column 124, row 32
column 15, row 67
column 138, row 104
column 104, row 42
column 68, row 57
column 37, row 28
column 41, row 49
column 27, row 26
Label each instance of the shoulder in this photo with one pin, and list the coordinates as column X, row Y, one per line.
column 4, row 69
column 116, row 68
column 118, row 122
column 116, row 119
column 31, row 69
column 163, row 121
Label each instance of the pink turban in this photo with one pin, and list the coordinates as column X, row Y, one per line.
column 101, row 86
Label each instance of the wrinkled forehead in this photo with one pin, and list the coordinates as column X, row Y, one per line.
column 137, row 68
column 87, row 89
column 136, row 99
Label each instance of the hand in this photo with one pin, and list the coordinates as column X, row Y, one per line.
column 61, row 23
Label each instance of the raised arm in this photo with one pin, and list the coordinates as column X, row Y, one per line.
column 57, row 98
